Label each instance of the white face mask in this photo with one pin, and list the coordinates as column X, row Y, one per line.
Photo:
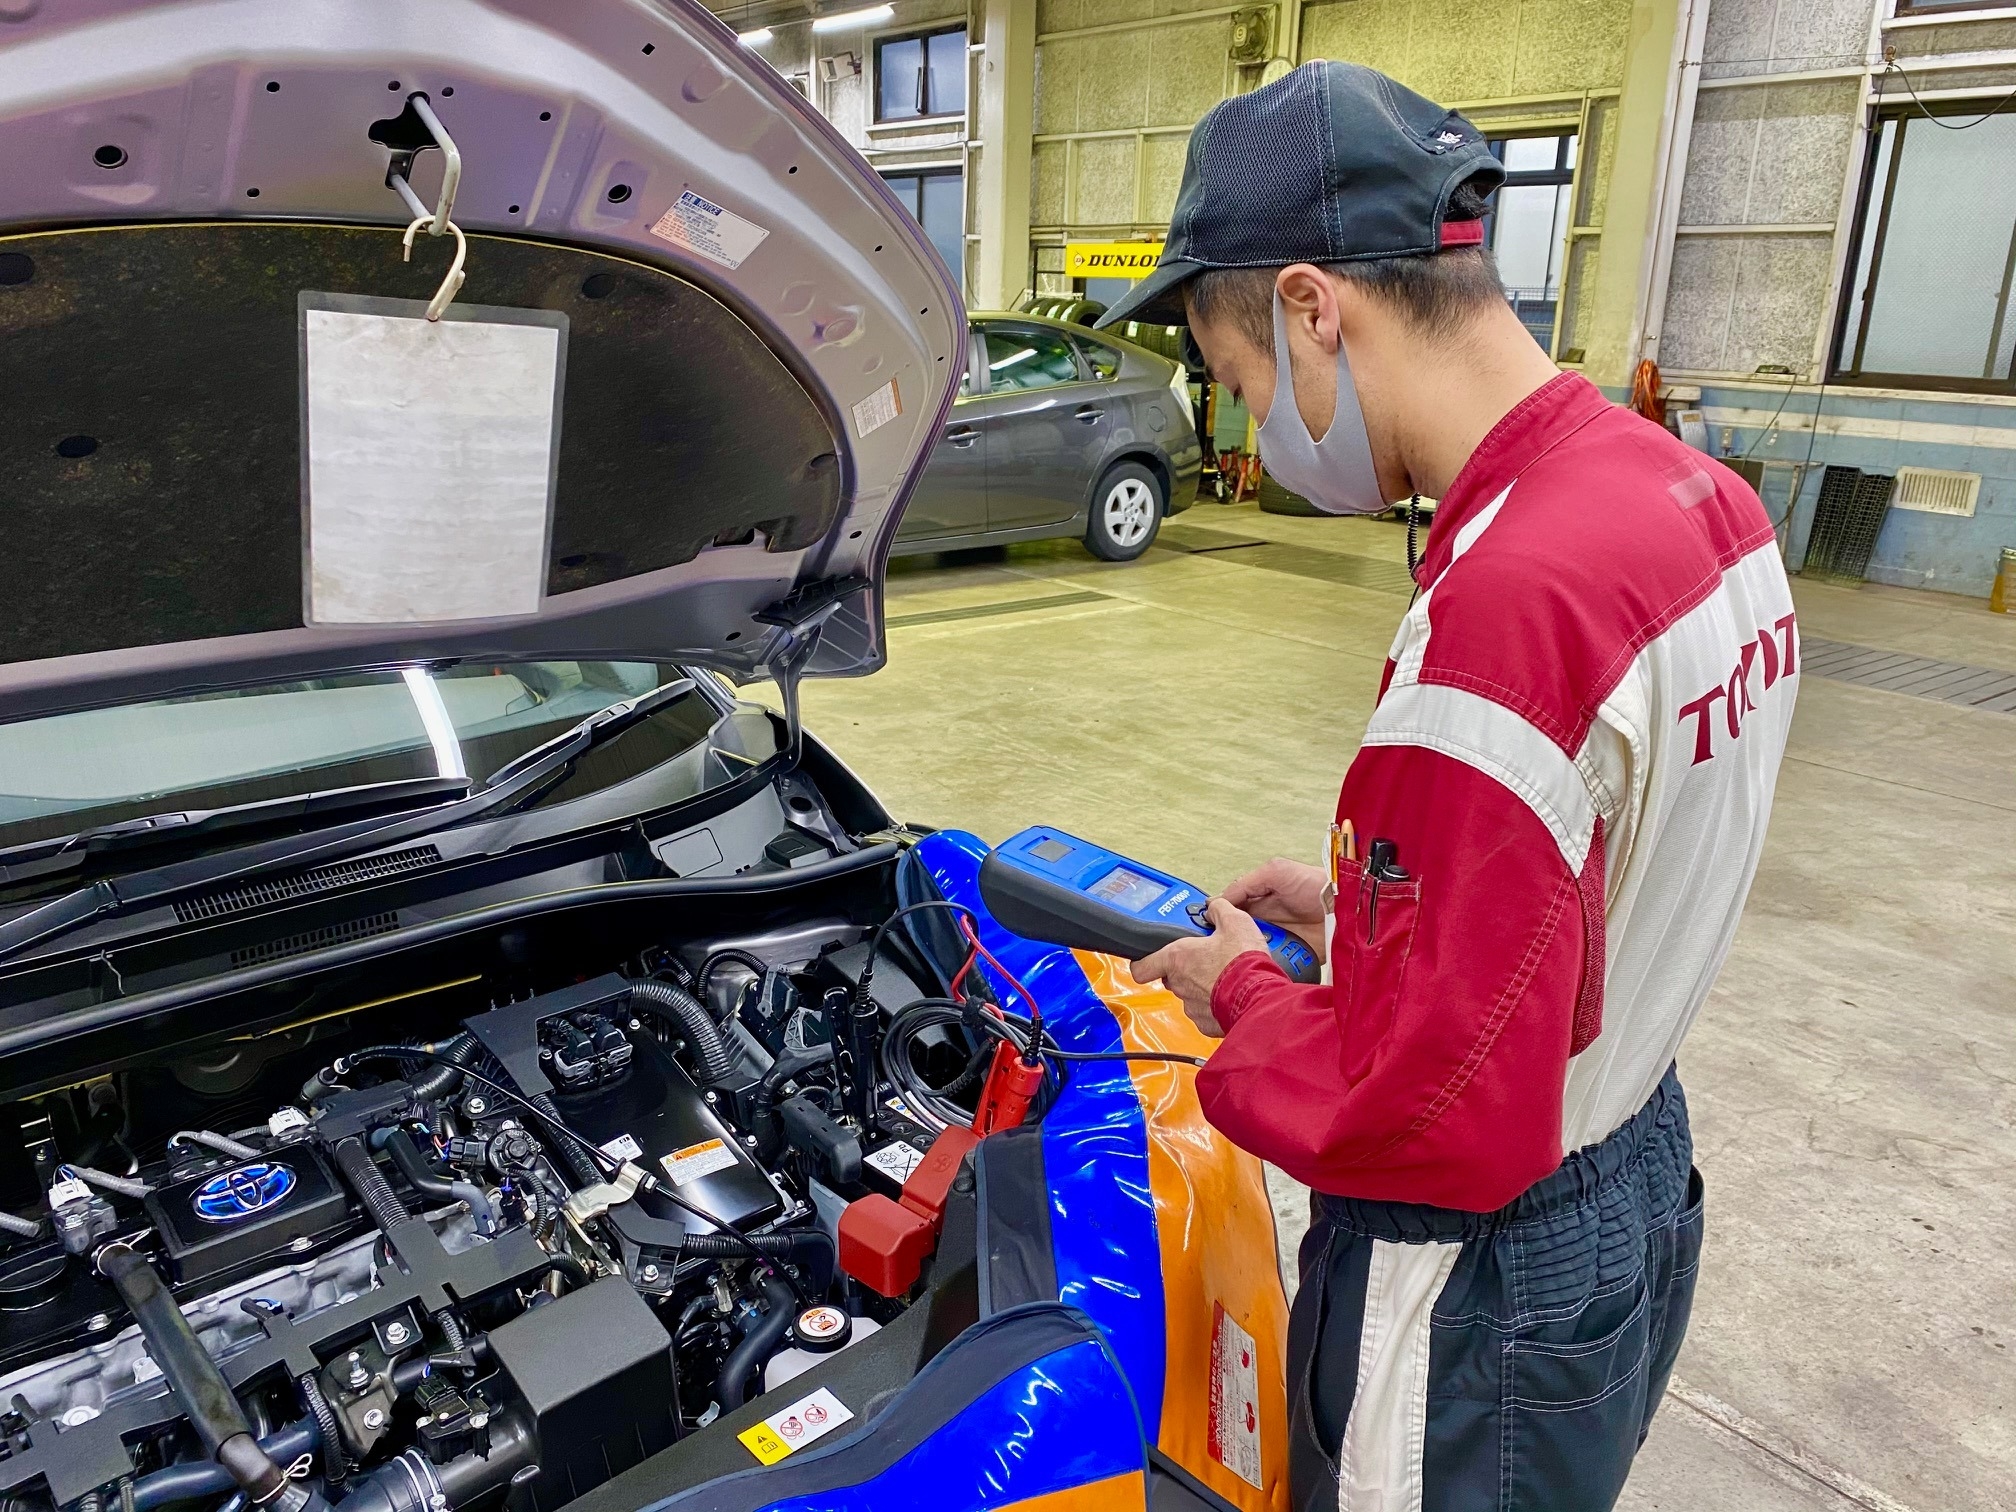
column 1335, row 474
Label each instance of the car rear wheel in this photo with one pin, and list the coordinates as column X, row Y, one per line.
column 1126, row 513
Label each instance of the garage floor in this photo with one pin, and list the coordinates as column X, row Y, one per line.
column 1853, row 1078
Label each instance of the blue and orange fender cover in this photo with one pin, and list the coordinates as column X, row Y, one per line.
column 1161, row 1231
column 1026, row 1411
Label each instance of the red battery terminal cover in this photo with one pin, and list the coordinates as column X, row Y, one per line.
column 883, row 1243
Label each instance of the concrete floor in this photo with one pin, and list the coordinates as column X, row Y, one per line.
column 1853, row 1077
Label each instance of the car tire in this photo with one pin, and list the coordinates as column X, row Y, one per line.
column 1126, row 513
column 1276, row 500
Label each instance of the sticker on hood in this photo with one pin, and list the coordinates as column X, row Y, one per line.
column 878, row 409
column 707, row 230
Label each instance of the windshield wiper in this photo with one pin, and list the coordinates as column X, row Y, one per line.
column 518, row 781
column 35, row 859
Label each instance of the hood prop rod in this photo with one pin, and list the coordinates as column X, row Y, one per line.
column 451, row 171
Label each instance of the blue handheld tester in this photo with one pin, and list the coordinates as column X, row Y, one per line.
column 1046, row 885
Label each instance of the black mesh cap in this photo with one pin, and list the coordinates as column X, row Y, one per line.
column 1333, row 163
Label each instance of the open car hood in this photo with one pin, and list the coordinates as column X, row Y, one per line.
column 743, row 404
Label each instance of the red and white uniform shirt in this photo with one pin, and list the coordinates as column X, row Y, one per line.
column 1574, row 753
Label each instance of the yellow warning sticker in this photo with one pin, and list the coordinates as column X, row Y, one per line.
column 805, row 1420
column 697, row 1160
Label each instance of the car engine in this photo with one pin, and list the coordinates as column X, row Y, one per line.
column 496, row 1258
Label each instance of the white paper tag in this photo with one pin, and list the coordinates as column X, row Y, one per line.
column 878, row 409
column 806, row 1420
column 707, row 230
column 697, row 1160
column 897, row 1160
column 430, row 466
column 623, row 1147
column 1234, row 1435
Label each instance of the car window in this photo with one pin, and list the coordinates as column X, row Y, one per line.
column 1105, row 361
column 65, row 772
column 1027, row 357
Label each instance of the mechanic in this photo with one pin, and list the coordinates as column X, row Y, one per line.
column 1542, row 845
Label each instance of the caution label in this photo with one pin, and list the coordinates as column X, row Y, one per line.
column 697, row 1160
column 805, row 1421
column 1234, row 1434
column 707, row 230
column 878, row 409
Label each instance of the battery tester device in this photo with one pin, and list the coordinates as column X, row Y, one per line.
column 1046, row 885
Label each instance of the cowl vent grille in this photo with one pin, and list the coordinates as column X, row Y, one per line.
column 226, row 901
column 315, row 939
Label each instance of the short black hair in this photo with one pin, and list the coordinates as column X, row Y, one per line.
column 1434, row 293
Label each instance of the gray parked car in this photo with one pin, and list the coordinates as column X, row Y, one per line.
column 1057, row 432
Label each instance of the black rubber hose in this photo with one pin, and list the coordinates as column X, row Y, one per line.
column 731, row 1386
column 444, row 1076
column 410, row 1483
column 803, row 1246
column 335, row 1463
column 369, row 1183
column 575, row 1272
column 199, row 1387
column 696, row 1026
column 423, row 1179
column 202, row 1478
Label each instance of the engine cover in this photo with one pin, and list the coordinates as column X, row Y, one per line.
column 238, row 1214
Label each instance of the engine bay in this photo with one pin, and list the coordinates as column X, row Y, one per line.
column 466, row 1247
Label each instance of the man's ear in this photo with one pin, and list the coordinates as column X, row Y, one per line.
column 1309, row 299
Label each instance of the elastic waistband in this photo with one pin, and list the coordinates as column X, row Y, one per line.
column 1578, row 1178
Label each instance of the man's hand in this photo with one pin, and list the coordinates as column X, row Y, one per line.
column 1191, row 968
column 1284, row 892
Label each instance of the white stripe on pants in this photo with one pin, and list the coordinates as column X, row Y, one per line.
column 1379, row 1464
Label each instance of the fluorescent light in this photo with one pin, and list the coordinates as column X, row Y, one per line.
column 754, row 38
column 851, row 20
column 1011, row 359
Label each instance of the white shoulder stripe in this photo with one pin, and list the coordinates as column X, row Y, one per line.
column 1499, row 743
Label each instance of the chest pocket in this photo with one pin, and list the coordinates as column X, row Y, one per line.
column 1371, row 943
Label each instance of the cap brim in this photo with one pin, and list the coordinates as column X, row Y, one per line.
column 1157, row 299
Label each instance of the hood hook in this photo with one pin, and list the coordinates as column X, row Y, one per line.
column 453, row 280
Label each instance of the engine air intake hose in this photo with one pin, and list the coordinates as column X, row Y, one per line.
column 199, row 1386
column 731, row 1387
column 411, row 1483
column 696, row 1025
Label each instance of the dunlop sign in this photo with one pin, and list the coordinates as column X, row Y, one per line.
column 1111, row 259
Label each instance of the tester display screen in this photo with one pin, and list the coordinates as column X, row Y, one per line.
column 1126, row 889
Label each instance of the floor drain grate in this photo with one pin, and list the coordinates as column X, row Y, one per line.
column 1006, row 606
column 1991, row 689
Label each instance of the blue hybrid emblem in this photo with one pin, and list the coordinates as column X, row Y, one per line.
column 231, row 1196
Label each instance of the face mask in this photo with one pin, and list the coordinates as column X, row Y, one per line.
column 1336, row 473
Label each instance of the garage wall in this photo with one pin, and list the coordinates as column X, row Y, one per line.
column 1119, row 84
column 1772, row 179
column 796, row 52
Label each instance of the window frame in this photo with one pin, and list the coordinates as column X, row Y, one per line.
column 920, row 172
column 1078, row 360
column 923, row 36
column 1954, row 7
column 1848, row 343
column 1082, row 343
column 1562, row 175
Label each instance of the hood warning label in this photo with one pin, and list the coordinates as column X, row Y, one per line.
column 706, row 230
column 1234, row 1437
column 697, row 1160
column 878, row 409
column 785, row 1432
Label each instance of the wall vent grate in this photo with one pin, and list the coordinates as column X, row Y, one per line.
column 1936, row 490
column 226, row 901
column 315, row 939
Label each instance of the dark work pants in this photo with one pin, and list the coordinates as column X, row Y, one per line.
column 1496, row 1362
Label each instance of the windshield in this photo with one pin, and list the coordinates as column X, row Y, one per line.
column 248, row 745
